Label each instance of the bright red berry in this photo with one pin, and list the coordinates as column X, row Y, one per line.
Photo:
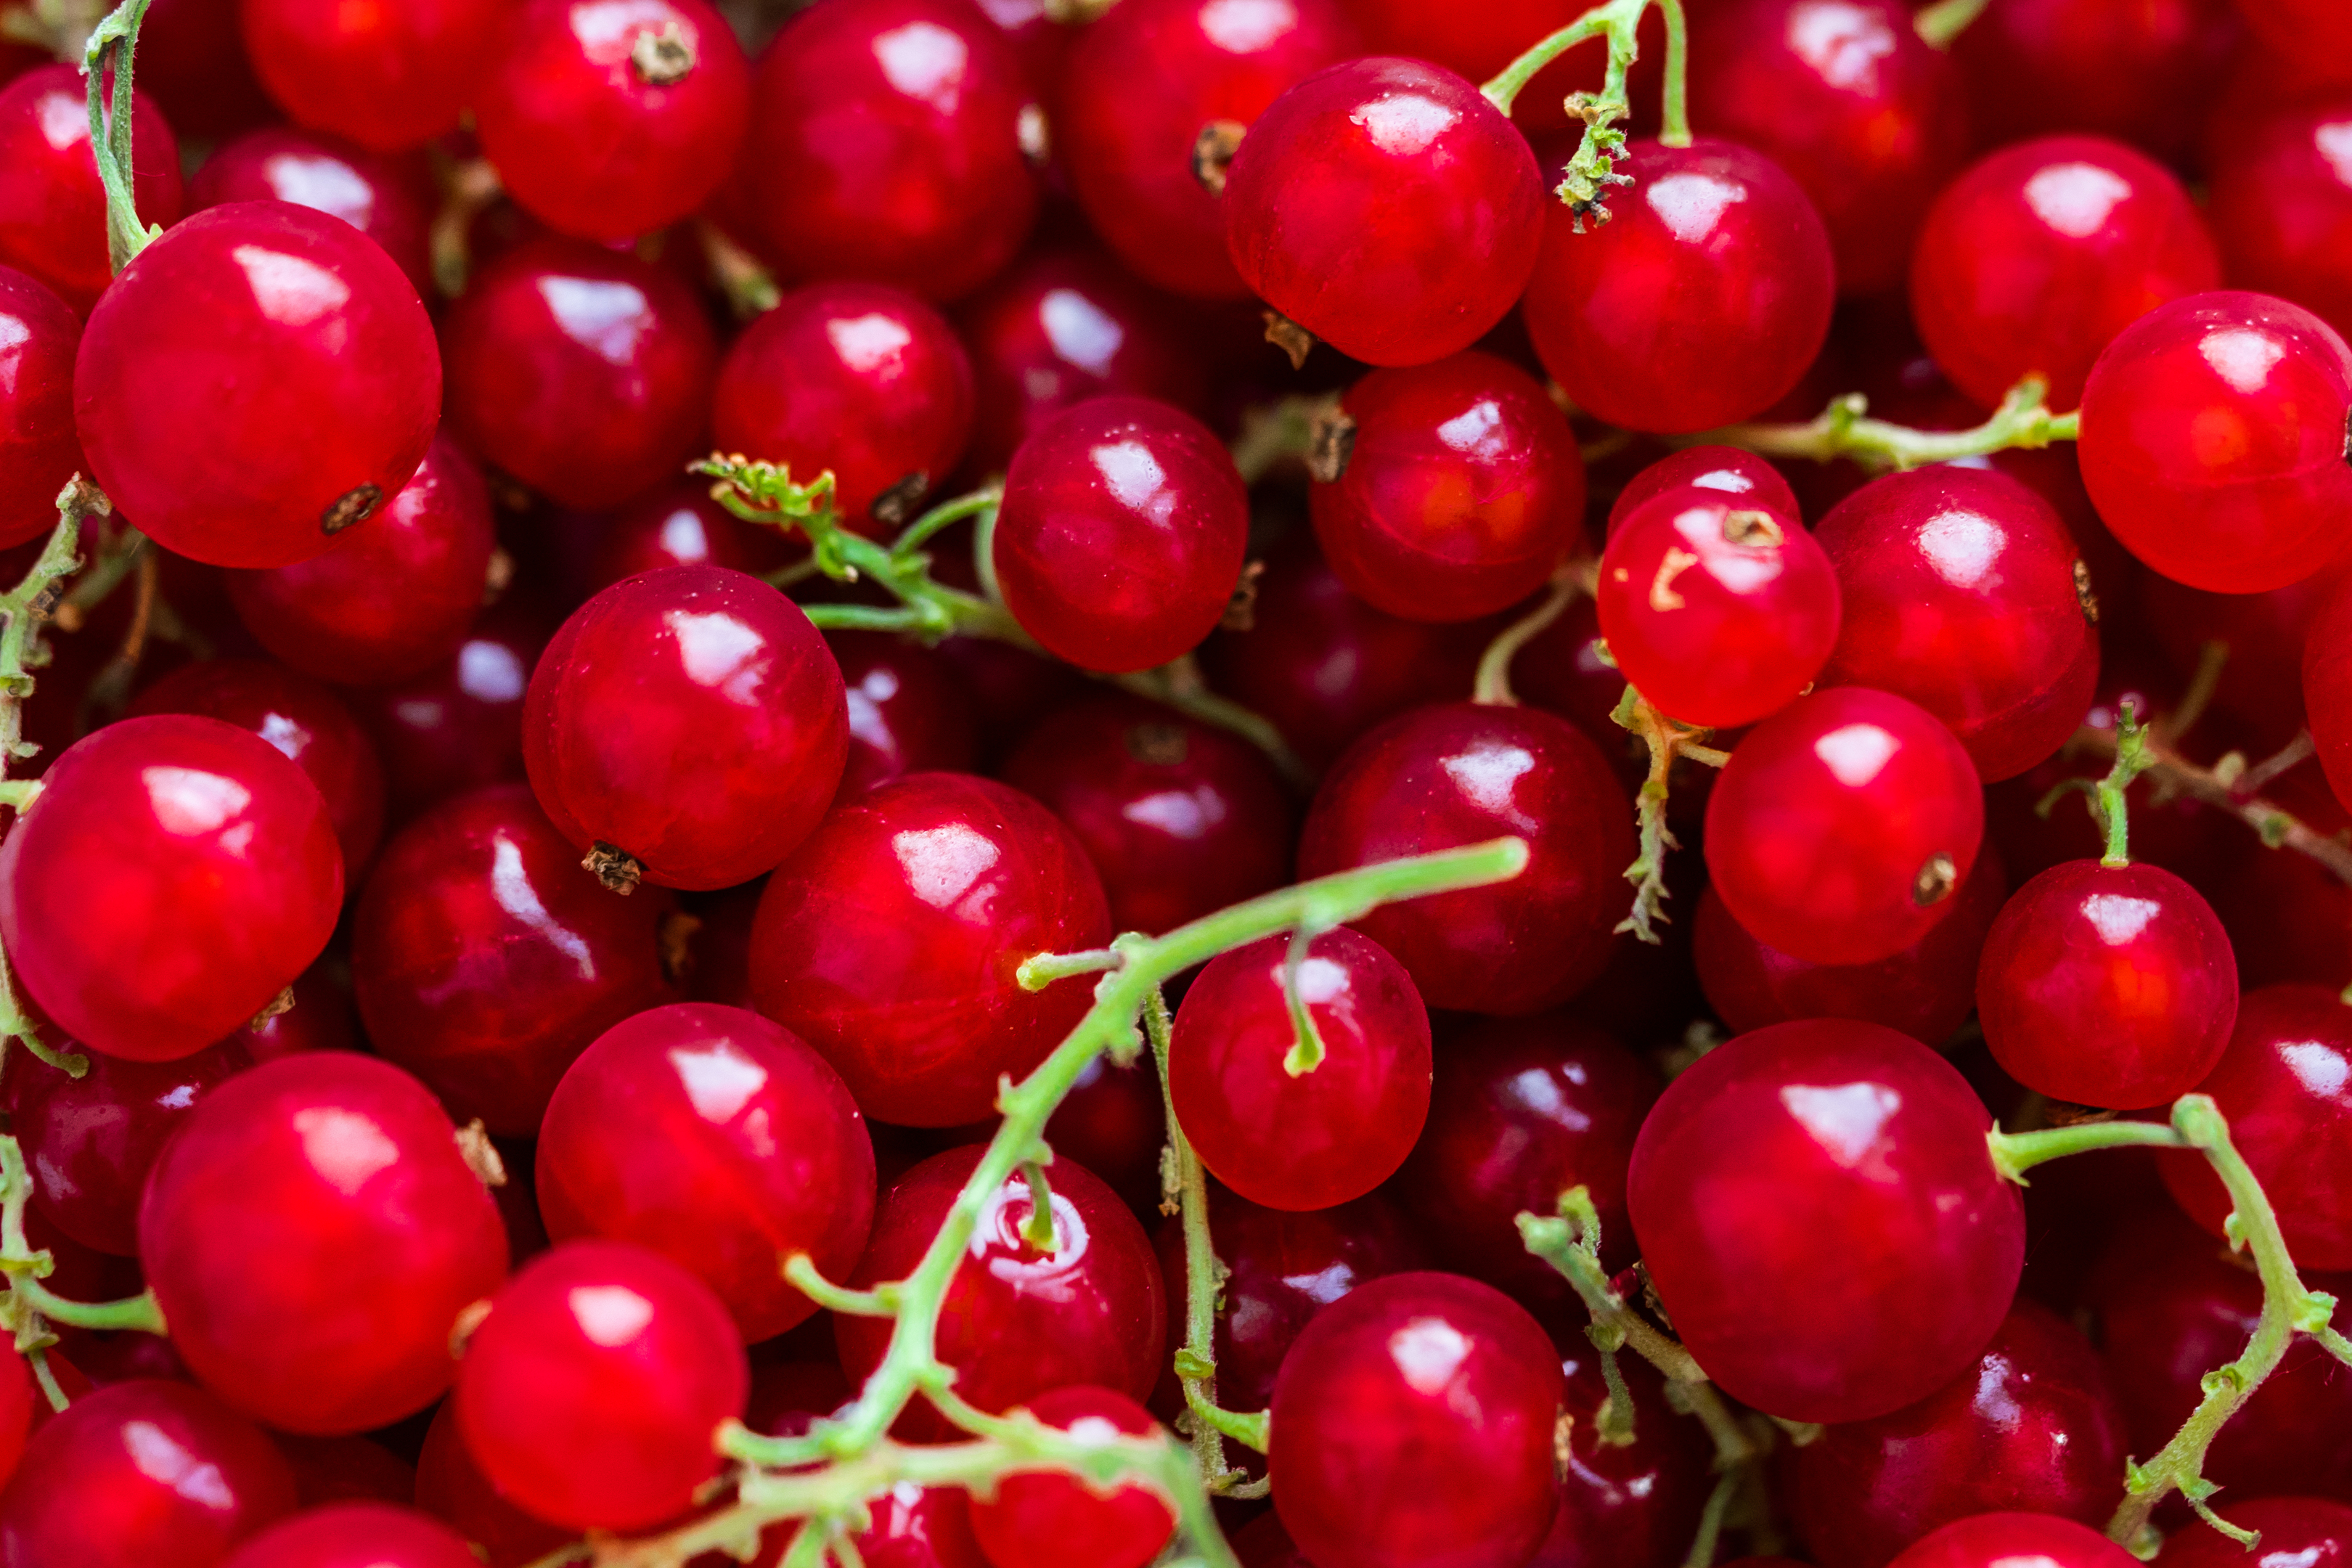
column 386, row 76
column 39, row 448
column 356, row 1535
column 390, row 200
column 1736, row 473
column 2317, row 1530
column 52, row 206
column 2283, row 218
column 1053, row 1520
column 1989, row 1540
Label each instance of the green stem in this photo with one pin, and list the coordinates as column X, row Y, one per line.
column 1178, row 684
column 138, row 1311
column 109, row 134
column 1605, row 21
column 1710, row 1519
column 2015, row 1153
column 1843, row 430
column 1667, row 741
column 1493, row 684
column 2133, row 758
column 1205, row 1272
column 800, row 1271
column 1941, row 24
column 945, row 515
column 1037, row 1230
column 44, row 1375
column 1307, row 1052
column 1592, row 168
column 1674, row 109
column 1036, row 974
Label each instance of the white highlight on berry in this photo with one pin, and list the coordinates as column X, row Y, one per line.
column 2333, row 142
column 924, row 61
column 1841, row 43
column 868, row 343
column 611, row 1316
column 1134, row 478
column 1962, row 546
column 2318, row 1066
column 1245, row 26
column 1691, row 205
column 1405, row 124
column 718, row 651
column 292, row 290
column 1855, row 753
column 345, row 1148
column 2119, row 920
column 1477, row 431
column 1428, row 1352
column 1079, row 330
column 2075, row 199
column 606, row 318
column 719, row 1080
column 510, row 885
column 1847, row 1119
column 2241, row 356
column 1488, row 776
column 946, row 866
column 160, row 1459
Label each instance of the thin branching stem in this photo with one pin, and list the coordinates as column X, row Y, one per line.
column 1845, row 430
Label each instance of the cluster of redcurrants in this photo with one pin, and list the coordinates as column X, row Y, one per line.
column 434, row 571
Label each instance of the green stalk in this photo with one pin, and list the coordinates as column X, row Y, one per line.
column 1592, row 169
column 109, row 134
column 1938, row 25
column 1844, row 430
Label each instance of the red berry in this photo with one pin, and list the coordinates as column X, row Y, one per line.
column 677, row 524
column 2299, row 25
column 2327, row 688
column 39, row 448
column 1018, row 1320
column 451, row 1487
column 191, row 57
column 356, row 1535
column 1624, row 1503
column 914, row 1527
column 17, row 1396
column 1412, row 1424
column 1719, row 612
column 1819, row 1213
column 1727, row 468
column 1121, row 534
column 187, row 845
column 2283, row 218
column 910, row 711
column 1386, row 207
column 2112, row 66
column 1053, row 1521
column 1989, row 1540
column 312, row 1235
column 890, row 939
column 258, row 379
column 390, row 200
column 1701, row 300
column 458, row 724
column 52, row 206
column 2316, row 1531
column 1841, row 825
column 2213, row 441
column 387, row 78
column 591, row 1391
column 332, row 1470
column 1461, row 493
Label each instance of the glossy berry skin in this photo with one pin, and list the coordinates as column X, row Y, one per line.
column 1018, row 1321
column 591, row 1391
column 304, row 721
column 1846, row 97
column 2107, row 985
column 52, row 206
column 2110, row 67
column 1925, row 991
column 143, row 1474
column 1385, row 206
column 890, row 939
column 389, row 200
column 677, row 524
column 257, row 380
column 312, row 1235
column 1051, row 1520
column 1461, row 495
column 2032, row 1426
column 388, row 600
column 1622, row 1504
column 357, row 1535
column 1522, row 1109
column 175, row 874
column 719, row 1141
column 886, row 143
column 1985, row 1539
column 2327, row 688
column 1412, row 1424
column 451, row 1487
column 1121, row 534
column 861, row 378
column 1822, row 1220
column 2283, row 218
column 1841, row 825
column 1963, row 591
column 1135, row 95
column 38, row 449
column 486, row 959
column 2284, row 1083
column 2213, row 441
column 458, row 724
column 1458, row 773
column 691, row 718
column 1318, row 1137
column 1180, row 818
column 1700, row 301
column 909, row 711
column 609, row 122
column 1718, row 612
column 18, row 1395
column 2294, row 1529
column 387, row 78
column 1742, row 475
column 584, row 372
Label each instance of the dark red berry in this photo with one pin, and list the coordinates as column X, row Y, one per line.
column 386, row 76
column 909, row 711
column 39, row 448
column 52, row 206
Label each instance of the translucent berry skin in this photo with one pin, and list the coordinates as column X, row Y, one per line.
column 889, row 941
column 1700, row 302
column 1854, row 1160
column 1925, row 991
column 17, row 1396
column 39, row 448
column 1121, row 534
column 1463, row 491
column 1309, row 1140
column 908, row 709
column 690, row 717
column 256, row 381
column 2116, row 69
column 584, row 372
column 357, row 1535
column 1018, row 1321
column 1985, row 1539
column 88, row 1491
column 391, row 201
column 2327, row 688
column 2213, row 441
column 719, row 1141
column 2107, row 985
column 388, row 600
column 1180, row 819
column 312, row 1235
column 387, row 79
column 2286, row 1084
column 1385, row 206
column 175, row 874
column 1413, row 1426
column 1521, row 1110
column 304, row 721
column 458, row 724
column 886, row 143
column 1962, row 590
column 2298, row 25
column 591, row 142
column 1135, row 95
column 2294, row 1529
column 2037, row 255
column 451, row 1487
column 2032, row 1426
column 52, row 208
column 1052, row 1521
column 677, row 524
column 1622, row 1504
column 1717, row 611
column 861, row 378
column 2283, row 218
column 1457, row 774
column 1740, row 474
column 486, row 959
column 1846, row 97
column 591, row 1391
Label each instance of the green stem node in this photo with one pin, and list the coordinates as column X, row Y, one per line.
column 1843, row 430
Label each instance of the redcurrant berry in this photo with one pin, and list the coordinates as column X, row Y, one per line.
column 451, row 1487
column 52, row 206
column 356, row 1535
column 388, row 77
column 1622, row 1503
column 1734, row 472
column 388, row 199
column 458, row 724
column 2282, row 215
column 2034, row 67
column 1989, row 1540
column 2295, row 1530
column 1053, row 1520
column 38, row 449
